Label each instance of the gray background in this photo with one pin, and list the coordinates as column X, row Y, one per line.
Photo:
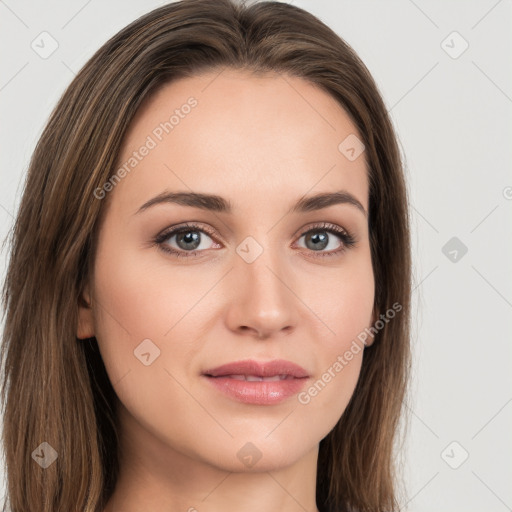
column 453, row 117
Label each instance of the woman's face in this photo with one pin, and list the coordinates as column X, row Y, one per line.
column 254, row 276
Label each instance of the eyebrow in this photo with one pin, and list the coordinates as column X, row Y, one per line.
column 219, row 204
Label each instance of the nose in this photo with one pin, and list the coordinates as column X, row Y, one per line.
column 262, row 302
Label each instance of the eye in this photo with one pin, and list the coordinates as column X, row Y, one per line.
column 190, row 239
column 328, row 236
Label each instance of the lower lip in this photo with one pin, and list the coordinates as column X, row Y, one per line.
column 259, row 392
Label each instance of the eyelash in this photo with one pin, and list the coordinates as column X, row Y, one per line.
column 346, row 237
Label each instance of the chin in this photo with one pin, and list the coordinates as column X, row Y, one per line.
column 255, row 454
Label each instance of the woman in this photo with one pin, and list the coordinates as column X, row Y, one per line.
column 207, row 300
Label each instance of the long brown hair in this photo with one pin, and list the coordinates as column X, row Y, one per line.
column 55, row 389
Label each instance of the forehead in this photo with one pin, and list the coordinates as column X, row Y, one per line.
column 245, row 136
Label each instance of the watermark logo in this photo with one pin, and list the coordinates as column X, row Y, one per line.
column 454, row 249
column 44, row 45
column 249, row 250
column 454, row 45
column 146, row 352
column 455, row 455
column 45, row 455
column 249, row 454
column 351, row 147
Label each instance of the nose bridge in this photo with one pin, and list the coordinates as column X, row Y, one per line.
column 261, row 274
column 262, row 299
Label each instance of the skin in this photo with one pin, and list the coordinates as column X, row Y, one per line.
column 262, row 142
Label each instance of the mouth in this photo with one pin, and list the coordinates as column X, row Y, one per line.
column 251, row 382
column 278, row 369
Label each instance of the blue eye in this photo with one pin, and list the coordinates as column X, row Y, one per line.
column 319, row 238
column 190, row 240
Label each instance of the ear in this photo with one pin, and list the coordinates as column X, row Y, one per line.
column 85, row 327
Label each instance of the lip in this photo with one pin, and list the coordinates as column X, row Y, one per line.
column 229, row 378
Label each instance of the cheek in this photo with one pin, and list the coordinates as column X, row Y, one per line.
column 136, row 308
column 344, row 301
column 143, row 307
column 128, row 308
column 345, row 306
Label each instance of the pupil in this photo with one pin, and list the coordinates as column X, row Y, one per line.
column 188, row 237
column 316, row 238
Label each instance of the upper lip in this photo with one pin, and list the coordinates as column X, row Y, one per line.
column 259, row 369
